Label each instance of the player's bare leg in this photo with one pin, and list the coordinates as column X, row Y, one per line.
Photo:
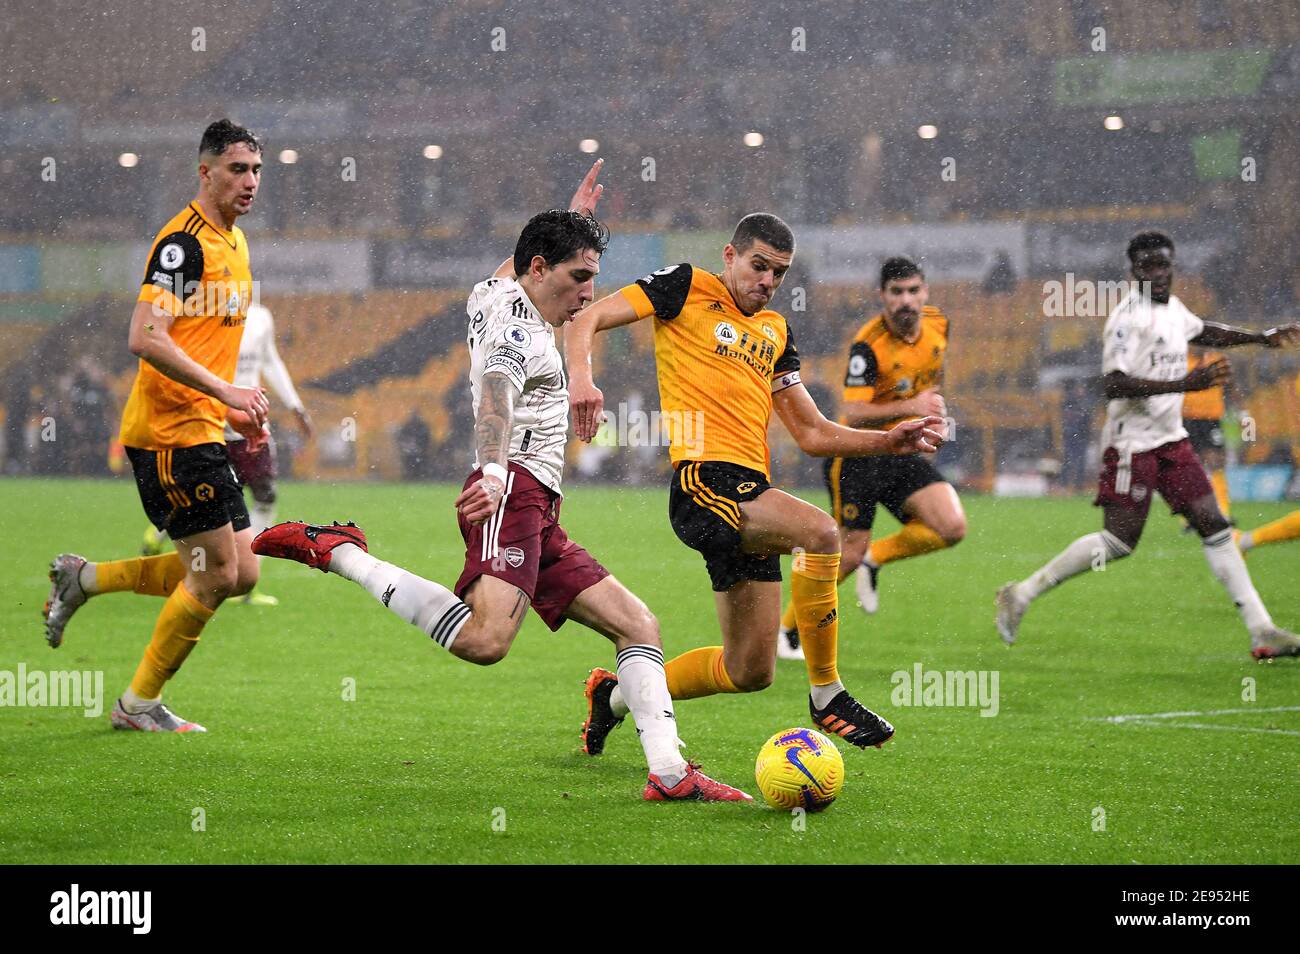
column 935, row 521
column 1267, row 639
column 1122, row 529
column 777, row 522
column 747, row 615
column 497, row 610
column 639, row 687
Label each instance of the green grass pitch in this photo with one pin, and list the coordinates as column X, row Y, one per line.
column 439, row 761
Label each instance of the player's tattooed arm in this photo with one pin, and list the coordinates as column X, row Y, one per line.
column 1216, row 335
column 492, row 440
column 496, row 409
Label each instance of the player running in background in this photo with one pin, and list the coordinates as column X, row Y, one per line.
column 724, row 361
column 1278, row 531
column 186, row 329
column 254, row 462
column 895, row 369
column 1146, row 446
column 516, row 552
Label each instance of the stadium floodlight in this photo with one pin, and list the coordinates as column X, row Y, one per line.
column 1114, row 123
column 589, row 145
column 128, row 160
column 927, row 131
column 433, row 151
column 753, row 139
column 288, row 156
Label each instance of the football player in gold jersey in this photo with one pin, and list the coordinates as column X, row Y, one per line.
column 186, row 329
column 725, row 361
column 894, row 372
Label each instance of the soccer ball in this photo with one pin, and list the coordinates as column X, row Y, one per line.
column 799, row 768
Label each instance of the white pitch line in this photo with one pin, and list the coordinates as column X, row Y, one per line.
column 1218, row 728
column 1142, row 717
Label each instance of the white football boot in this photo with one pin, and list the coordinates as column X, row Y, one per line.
column 1011, row 608
column 66, row 596
column 157, row 718
column 1274, row 642
column 864, row 581
column 788, row 645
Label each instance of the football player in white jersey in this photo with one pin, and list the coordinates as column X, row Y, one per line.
column 1146, row 447
column 516, row 552
column 254, row 464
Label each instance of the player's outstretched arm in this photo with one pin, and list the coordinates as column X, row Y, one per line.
column 929, row 403
column 1216, row 335
column 496, row 409
column 1212, row 375
column 820, row 437
column 586, row 401
column 150, row 338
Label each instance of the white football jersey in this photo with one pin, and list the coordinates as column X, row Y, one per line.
column 507, row 336
column 260, row 361
column 1145, row 339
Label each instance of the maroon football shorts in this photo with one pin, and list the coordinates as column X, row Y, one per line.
column 1172, row 469
column 255, row 467
column 524, row 544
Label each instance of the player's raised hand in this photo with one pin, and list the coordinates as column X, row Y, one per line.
column 480, row 499
column 930, row 402
column 586, row 403
column 588, row 194
column 1283, row 336
column 921, row 434
column 1217, row 372
column 252, row 401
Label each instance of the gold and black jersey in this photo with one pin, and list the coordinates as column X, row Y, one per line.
column 1206, row 405
column 884, row 368
column 198, row 274
column 718, row 367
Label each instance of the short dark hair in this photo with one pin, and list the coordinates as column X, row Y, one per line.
column 557, row 236
column 1145, row 241
column 224, row 133
column 898, row 267
column 762, row 227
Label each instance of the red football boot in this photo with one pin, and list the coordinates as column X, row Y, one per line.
column 307, row 542
column 695, row 787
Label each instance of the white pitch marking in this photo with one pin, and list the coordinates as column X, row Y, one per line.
column 1219, row 728
column 1182, row 715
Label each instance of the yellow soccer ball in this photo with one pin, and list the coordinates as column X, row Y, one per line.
column 799, row 768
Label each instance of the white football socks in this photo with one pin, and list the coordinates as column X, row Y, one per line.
column 1230, row 569
column 1094, row 549
column 261, row 516
column 643, row 689
column 822, row 695
column 423, row 603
